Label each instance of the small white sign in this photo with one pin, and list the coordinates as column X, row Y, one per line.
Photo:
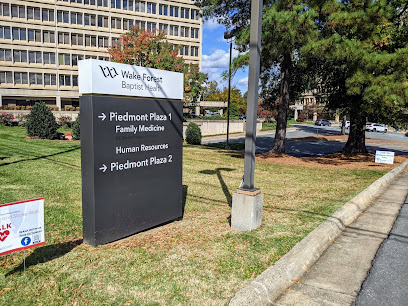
column 384, row 157
column 21, row 225
column 108, row 78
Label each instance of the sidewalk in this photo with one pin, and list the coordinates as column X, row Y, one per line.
column 337, row 276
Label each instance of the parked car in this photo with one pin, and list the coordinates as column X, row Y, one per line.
column 347, row 124
column 323, row 122
column 376, row 127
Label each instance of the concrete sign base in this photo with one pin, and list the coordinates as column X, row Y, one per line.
column 246, row 213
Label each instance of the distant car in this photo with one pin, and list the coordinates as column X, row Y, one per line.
column 242, row 117
column 347, row 124
column 323, row 122
column 376, row 127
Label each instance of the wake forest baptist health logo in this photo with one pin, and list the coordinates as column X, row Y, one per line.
column 108, row 71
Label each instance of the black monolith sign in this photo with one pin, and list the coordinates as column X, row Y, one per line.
column 131, row 165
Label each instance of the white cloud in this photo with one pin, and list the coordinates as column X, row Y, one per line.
column 218, row 59
column 211, row 24
column 243, row 82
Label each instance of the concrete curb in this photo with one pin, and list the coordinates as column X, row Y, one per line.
column 273, row 281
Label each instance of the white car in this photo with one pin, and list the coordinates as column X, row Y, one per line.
column 347, row 124
column 376, row 127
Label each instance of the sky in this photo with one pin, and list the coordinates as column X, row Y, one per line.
column 215, row 58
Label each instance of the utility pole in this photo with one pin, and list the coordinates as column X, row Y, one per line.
column 247, row 201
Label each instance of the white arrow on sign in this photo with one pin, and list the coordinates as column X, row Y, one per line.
column 103, row 116
column 103, row 168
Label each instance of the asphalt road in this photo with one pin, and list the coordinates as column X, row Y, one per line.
column 387, row 281
column 310, row 148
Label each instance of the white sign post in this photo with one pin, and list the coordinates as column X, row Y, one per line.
column 384, row 157
column 21, row 225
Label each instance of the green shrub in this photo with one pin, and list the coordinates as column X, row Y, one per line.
column 41, row 122
column 76, row 128
column 6, row 119
column 193, row 134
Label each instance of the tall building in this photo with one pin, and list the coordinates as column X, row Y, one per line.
column 41, row 41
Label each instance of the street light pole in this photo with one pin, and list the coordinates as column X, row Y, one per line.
column 247, row 201
column 229, row 95
column 252, row 103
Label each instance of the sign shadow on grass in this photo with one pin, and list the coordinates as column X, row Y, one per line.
column 46, row 253
column 222, row 182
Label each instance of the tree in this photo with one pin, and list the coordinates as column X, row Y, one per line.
column 152, row 50
column 287, row 25
column 361, row 57
column 41, row 122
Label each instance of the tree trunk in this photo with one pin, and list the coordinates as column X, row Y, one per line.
column 343, row 125
column 356, row 140
column 283, row 106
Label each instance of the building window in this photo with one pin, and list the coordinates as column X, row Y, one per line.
column 4, row 9
column 116, row 23
column 5, row 33
column 20, row 78
column 164, row 28
column 20, row 34
column 19, row 56
column 5, row 55
column 115, row 41
column 194, row 33
column 174, row 30
column 90, row 2
column 184, row 13
column 131, row 5
column 127, row 24
column 6, row 77
column 103, row 42
column 186, row 50
column 103, row 22
column 174, row 11
column 62, row 17
column 90, row 20
column 47, row 15
column 76, row 18
column 140, row 7
column 151, row 8
column 17, row 11
column 75, row 59
column 103, row 3
column 64, row 80
column 36, row 78
column 50, row 79
column 64, row 59
column 184, row 32
column 77, row 39
column 151, row 27
column 90, row 41
column 33, row 13
column 163, row 10
column 74, row 80
column 49, row 58
column 34, row 35
column 48, row 37
column 34, row 57
column 194, row 15
column 194, row 51
column 63, row 38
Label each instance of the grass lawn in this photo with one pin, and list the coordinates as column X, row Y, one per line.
column 198, row 260
column 267, row 126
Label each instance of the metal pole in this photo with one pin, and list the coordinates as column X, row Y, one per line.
column 252, row 104
column 229, row 95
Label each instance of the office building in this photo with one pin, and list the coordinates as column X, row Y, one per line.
column 41, row 42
